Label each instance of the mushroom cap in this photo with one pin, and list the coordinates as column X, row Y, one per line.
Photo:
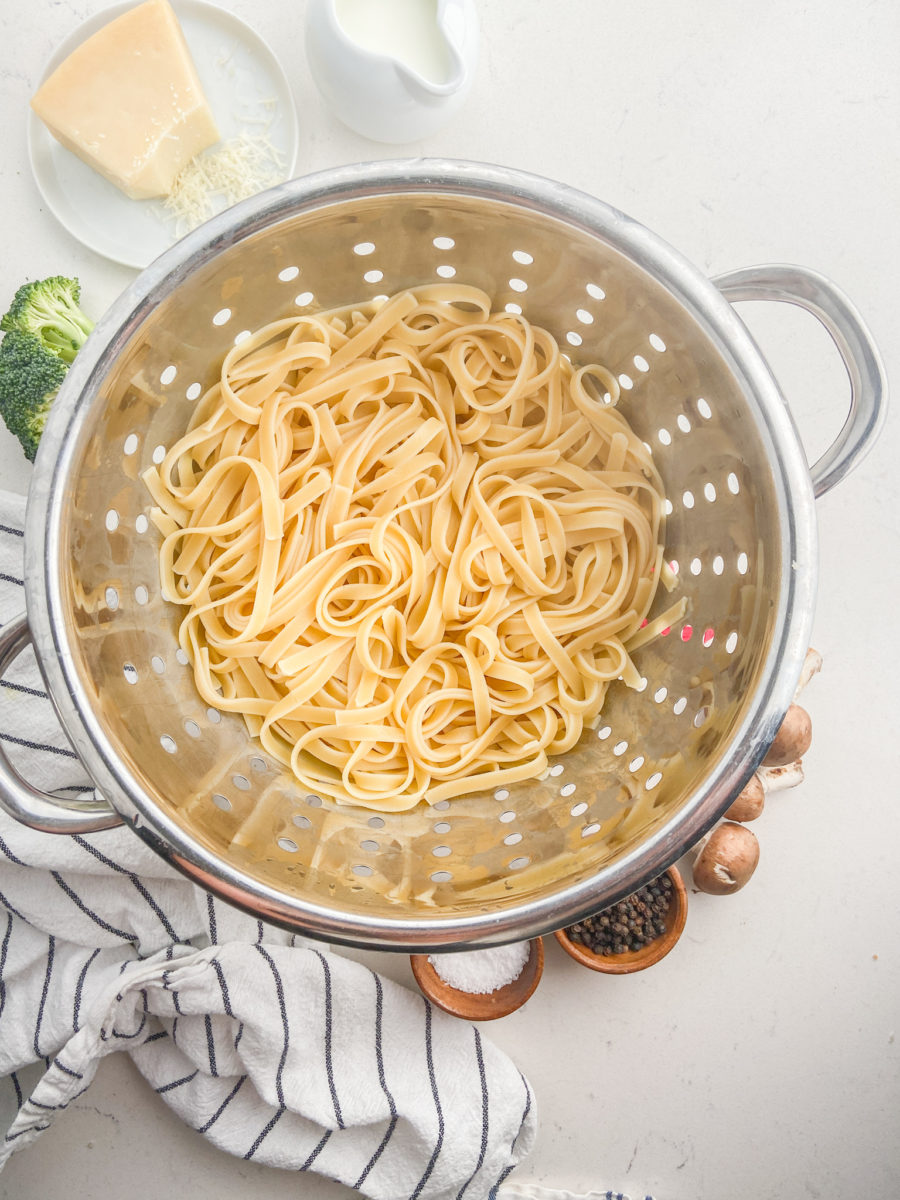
column 792, row 740
column 726, row 860
column 749, row 804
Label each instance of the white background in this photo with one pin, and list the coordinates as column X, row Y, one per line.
column 759, row 1059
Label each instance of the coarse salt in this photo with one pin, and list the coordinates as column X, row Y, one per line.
column 482, row 971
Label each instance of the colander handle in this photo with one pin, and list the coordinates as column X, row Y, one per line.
column 840, row 317
column 40, row 810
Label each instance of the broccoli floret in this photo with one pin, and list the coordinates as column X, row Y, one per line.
column 30, row 376
column 49, row 309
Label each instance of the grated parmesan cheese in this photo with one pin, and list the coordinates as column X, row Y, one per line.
column 221, row 177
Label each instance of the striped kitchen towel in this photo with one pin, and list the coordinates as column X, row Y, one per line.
column 274, row 1050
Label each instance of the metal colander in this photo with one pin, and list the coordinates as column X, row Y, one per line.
column 663, row 762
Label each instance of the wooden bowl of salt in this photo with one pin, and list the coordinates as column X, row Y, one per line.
column 480, row 985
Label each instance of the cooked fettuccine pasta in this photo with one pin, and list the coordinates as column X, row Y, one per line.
column 413, row 544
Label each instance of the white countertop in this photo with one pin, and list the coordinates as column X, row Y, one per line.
column 759, row 1060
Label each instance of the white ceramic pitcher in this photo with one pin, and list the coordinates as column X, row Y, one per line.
column 393, row 70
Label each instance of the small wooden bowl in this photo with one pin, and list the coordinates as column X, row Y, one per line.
column 480, row 1006
column 636, row 960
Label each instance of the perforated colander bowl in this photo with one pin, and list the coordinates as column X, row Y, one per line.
column 664, row 761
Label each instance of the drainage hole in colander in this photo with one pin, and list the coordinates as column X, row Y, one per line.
column 664, row 436
column 440, row 805
column 369, row 845
column 700, row 718
column 441, row 877
column 626, row 382
column 668, row 508
column 222, row 317
column 373, row 276
column 683, row 423
column 131, row 444
column 501, row 794
column 441, row 827
column 445, row 271
column 301, row 822
column 181, row 657
column 557, row 769
column 507, row 816
column 660, row 694
column 696, row 566
column 157, row 664
column 703, row 409
column 687, row 499
column 168, row 744
column 584, row 316
column 314, row 801
column 112, row 520
column 193, row 391
column 512, row 839
column 361, row 869
column 242, row 336
column 523, row 257
column 567, row 789
column 221, row 801
column 653, row 781
column 733, row 482
column 578, row 809
column 742, row 563
column 441, row 851
column 590, row 830
column 636, row 763
column 573, row 338
column 731, row 643
column 303, row 299
column 641, row 363
column 709, row 491
column 241, row 782
column 708, row 637
column 191, row 728
column 168, row 375
column 679, row 706
column 657, row 343
column 516, row 864
column 641, row 685
column 213, row 715
column 620, row 747
column 375, row 822
column 112, row 599
column 604, row 732
column 130, row 673
column 595, row 292
column 364, row 248
column 159, row 453
column 515, row 309
column 518, row 285
column 259, row 765
column 443, row 243
column 687, row 632
column 141, row 523
column 287, row 844
column 718, row 564
column 288, row 273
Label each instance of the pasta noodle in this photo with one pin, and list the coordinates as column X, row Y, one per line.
column 413, row 543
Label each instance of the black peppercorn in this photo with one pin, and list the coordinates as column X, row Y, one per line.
column 629, row 925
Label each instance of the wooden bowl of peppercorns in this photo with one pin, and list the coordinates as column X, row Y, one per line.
column 633, row 934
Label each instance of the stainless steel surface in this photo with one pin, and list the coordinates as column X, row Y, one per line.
column 41, row 810
column 811, row 291
column 666, row 760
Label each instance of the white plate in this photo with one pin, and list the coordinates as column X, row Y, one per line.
column 247, row 91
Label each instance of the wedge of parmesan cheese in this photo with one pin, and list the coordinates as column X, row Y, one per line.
column 129, row 103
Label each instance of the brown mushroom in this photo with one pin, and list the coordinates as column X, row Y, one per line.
column 726, row 859
column 792, row 739
column 749, row 804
